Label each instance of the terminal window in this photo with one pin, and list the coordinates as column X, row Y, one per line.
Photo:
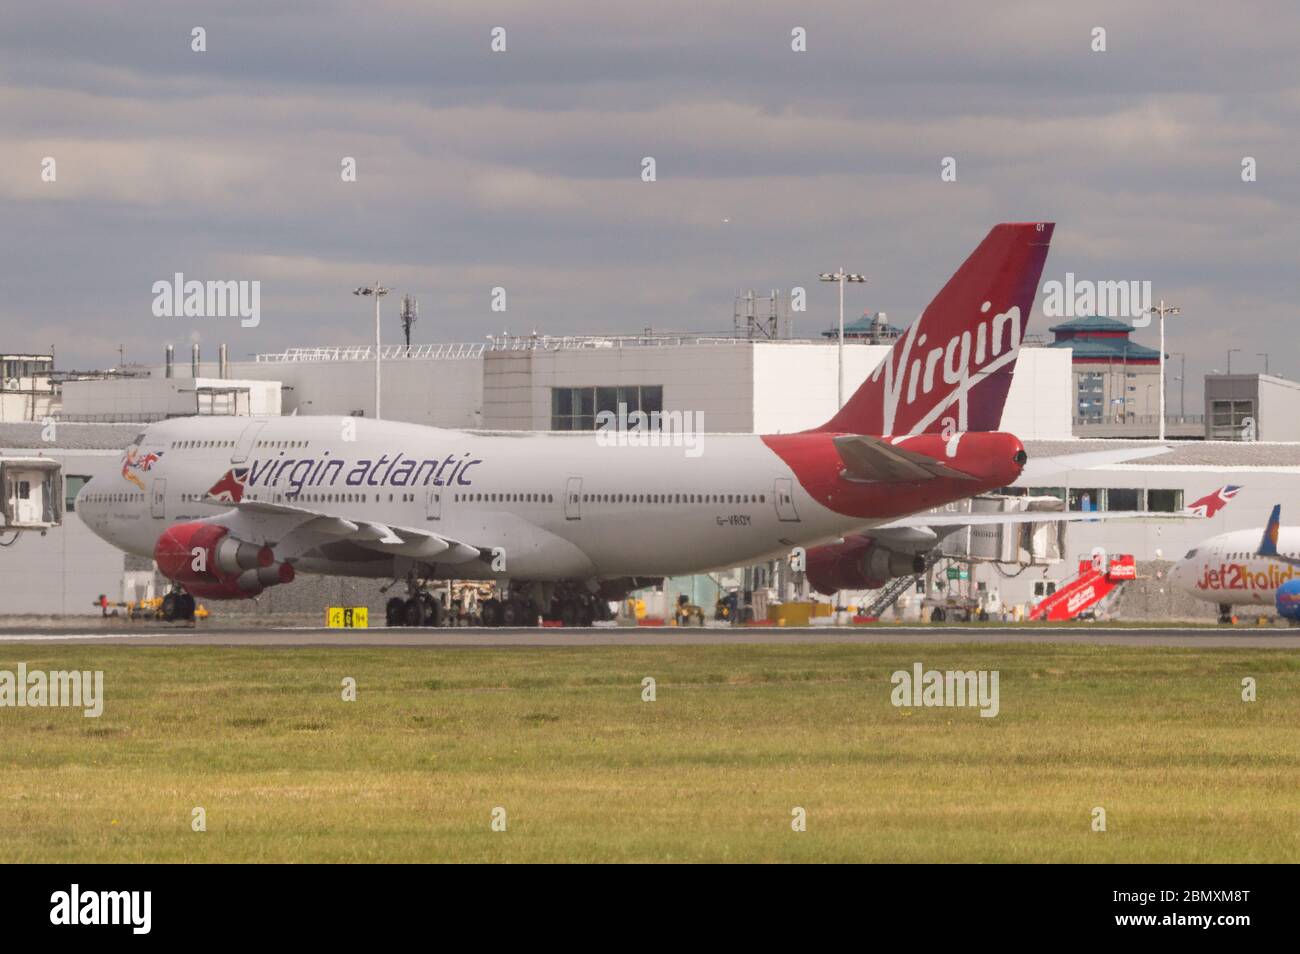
column 1123, row 498
column 575, row 409
column 1090, row 396
column 1085, row 498
column 1228, row 418
column 1165, row 501
column 72, row 484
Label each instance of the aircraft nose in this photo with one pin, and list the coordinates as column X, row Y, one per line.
column 101, row 480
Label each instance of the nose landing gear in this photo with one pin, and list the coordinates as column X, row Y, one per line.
column 178, row 604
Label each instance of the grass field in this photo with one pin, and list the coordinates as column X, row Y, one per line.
column 710, row 771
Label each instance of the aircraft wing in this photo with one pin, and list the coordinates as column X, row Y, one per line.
column 869, row 458
column 1030, row 516
column 294, row 530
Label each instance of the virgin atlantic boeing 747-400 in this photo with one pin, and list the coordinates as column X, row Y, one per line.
column 230, row 506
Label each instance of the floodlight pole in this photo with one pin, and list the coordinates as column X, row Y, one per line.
column 841, row 277
column 378, row 291
column 1171, row 311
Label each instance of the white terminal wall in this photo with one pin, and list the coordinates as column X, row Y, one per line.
column 740, row 386
column 795, row 387
column 155, row 397
column 713, row 380
column 65, row 570
column 1278, row 403
column 746, row 386
column 438, row 392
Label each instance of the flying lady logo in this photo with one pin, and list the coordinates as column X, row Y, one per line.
column 230, row 488
column 134, row 462
column 965, row 360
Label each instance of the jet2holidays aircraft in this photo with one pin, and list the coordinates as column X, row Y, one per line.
column 1243, row 568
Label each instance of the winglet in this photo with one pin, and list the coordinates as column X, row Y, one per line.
column 1268, row 543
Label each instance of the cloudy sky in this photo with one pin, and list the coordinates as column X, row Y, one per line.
column 523, row 169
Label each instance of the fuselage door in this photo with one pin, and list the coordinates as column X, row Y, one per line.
column 433, row 504
column 246, row 440
column 783, row 497
column 573, row 499
column 158, row 503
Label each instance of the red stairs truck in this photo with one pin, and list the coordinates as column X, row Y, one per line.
column 1098, row 579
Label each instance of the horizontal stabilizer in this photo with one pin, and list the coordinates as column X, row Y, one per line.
column 871, row 459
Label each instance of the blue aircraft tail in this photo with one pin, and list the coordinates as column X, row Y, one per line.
column 1268, row 543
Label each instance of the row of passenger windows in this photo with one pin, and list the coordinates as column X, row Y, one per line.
column 328, row 498
column 504, row 498
column 674, row 498
column 1243, row 555
column 194, row 445
column 112, row 498
column 471, row 498
column 615, row 498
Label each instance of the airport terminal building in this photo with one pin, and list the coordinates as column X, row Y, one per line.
column 734, row 384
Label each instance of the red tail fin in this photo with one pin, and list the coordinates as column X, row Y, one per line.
column 962, row 349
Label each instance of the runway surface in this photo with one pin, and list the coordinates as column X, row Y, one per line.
column 176, row 635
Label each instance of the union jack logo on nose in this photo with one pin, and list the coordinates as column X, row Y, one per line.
column 230, row 488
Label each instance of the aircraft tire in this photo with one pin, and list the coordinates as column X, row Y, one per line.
column 432, row 609
column 569, row 613
column 416, row 612
column 512, row 613
column 395, row 612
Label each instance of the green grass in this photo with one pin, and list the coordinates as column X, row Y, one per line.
column 710, row 771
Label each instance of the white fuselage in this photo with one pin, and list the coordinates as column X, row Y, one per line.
column 1227, row 570
column 560, row 506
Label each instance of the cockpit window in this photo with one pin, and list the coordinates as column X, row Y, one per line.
column 1190, row 553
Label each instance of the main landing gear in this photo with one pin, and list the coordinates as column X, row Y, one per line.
column 1225, row 613
column 419, row 608
column 519, row 604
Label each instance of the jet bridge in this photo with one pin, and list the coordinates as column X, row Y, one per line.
column 1016, row 544
column 33, row 494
